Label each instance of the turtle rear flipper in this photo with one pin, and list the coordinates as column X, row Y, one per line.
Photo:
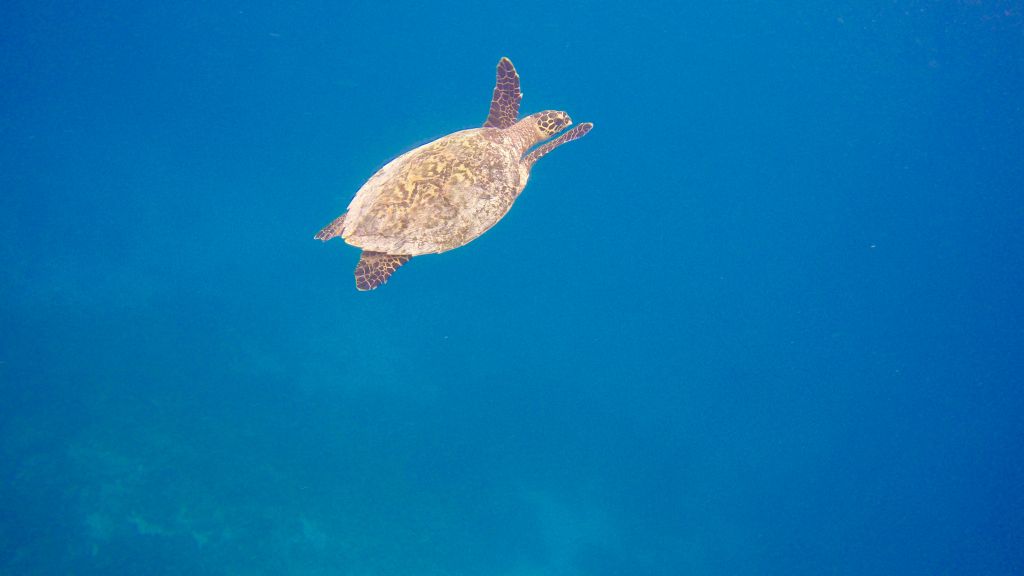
column 331, row 230
column 375, row 268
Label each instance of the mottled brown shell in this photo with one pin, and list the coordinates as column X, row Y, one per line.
column 439, row 196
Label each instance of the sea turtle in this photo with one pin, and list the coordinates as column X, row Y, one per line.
column 447, row 192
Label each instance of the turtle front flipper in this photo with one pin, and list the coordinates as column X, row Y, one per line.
column 574, row 134
column 505, row 102
column 375, row 268
column 331, row 230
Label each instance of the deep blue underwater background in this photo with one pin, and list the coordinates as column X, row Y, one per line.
column 765, row 319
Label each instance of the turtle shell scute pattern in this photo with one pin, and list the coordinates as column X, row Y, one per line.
column 437, row 197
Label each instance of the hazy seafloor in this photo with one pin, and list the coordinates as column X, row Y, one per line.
column 764, row 319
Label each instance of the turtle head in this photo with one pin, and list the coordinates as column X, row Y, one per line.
column 538, row 127
column 550, row 122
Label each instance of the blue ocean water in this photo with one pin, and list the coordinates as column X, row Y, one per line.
column 764, row 319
